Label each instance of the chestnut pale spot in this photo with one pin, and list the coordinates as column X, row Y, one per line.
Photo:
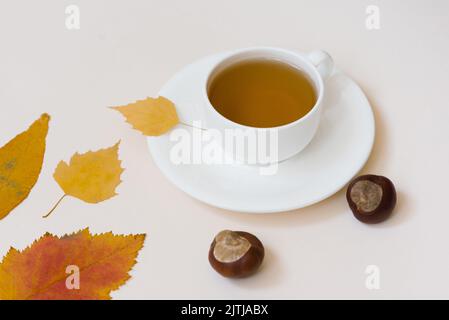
column 230, row 247
column 367, row 195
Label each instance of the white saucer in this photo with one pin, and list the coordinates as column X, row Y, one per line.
column 338, row 151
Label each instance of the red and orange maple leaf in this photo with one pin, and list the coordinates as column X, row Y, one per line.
column 41, row 270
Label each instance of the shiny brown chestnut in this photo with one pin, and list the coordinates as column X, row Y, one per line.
column 371, row 198
column 236, row 254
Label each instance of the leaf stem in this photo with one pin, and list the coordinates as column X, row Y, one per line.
column 54, row 207
column 189, row 125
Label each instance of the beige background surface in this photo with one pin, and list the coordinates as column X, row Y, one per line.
column 126, row 50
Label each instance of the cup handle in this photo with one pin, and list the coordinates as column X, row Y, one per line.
column 323, row 63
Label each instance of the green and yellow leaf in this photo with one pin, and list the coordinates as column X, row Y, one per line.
column 20, row 164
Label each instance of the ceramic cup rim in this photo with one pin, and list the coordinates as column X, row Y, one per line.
column 267, row 52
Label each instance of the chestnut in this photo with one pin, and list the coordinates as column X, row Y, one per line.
column 236, row 254
column 371, row 198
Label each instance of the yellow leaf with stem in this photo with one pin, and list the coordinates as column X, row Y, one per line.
column 20, row 164
column 91, row 177
column 152, row 116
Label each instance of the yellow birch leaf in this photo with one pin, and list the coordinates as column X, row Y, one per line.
column 91, row 177
column 73, row 267
column 152, row 117
column 20, row 164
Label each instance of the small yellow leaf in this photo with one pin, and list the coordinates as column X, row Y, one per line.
column 20, row 164
column 152, row 117
column 92, row 176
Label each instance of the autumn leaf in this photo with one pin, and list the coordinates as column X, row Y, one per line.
column 75, row 266
column 152, row 117
column 20, row 164
column 91, row 177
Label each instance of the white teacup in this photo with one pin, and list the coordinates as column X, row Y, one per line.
column 292, row 137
